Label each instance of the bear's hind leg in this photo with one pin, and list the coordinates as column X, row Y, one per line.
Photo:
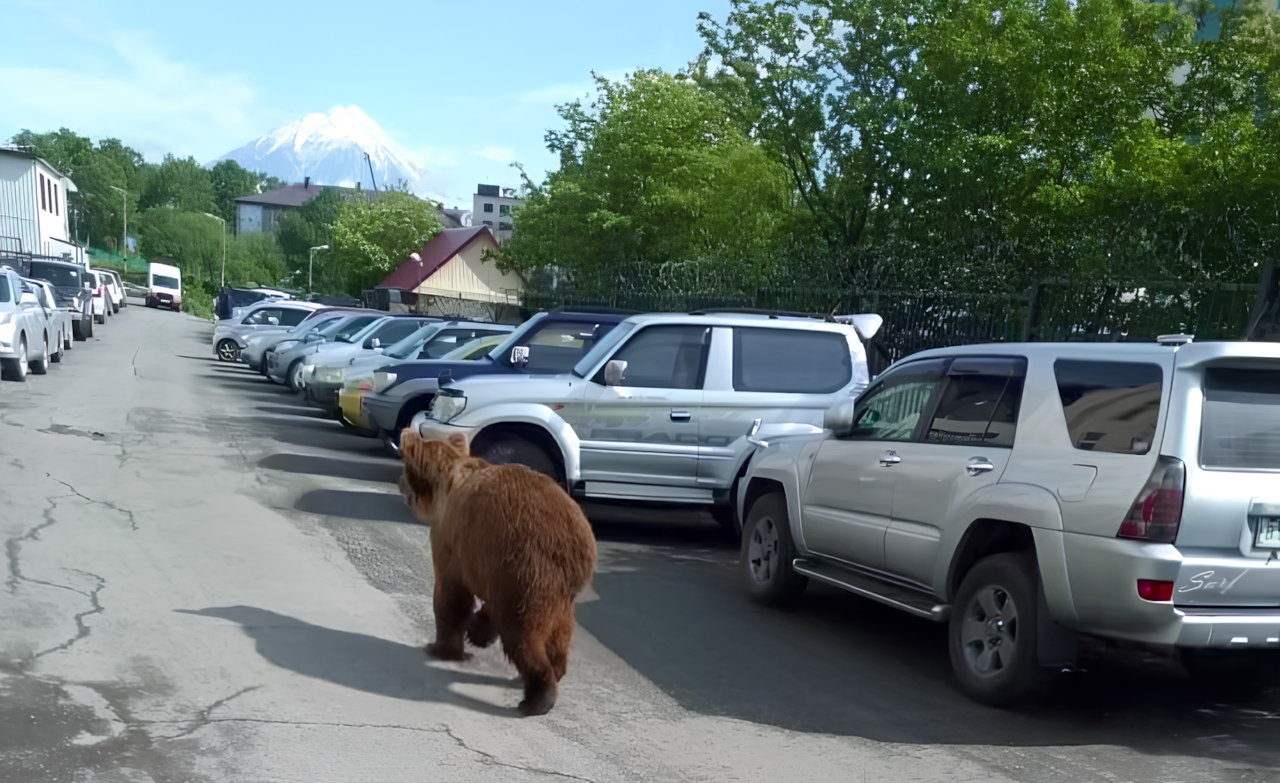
column 480, row 630
column 558, row 642
column 528, row 653
column 453, row 606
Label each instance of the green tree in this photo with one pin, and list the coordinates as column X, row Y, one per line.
column 370, row 238
column 229, row 181
column 192, row 240
column 657, row 186
column 181, row 183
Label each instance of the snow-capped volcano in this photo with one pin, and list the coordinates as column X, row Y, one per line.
column 330, row 149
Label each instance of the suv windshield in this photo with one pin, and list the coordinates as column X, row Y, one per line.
column 1241, row 421
column 61, row 276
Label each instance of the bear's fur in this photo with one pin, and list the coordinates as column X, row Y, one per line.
column 511, row 537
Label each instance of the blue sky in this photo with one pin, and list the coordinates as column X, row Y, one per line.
column 465, row 87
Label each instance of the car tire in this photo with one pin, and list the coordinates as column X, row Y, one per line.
column 41, row 367
column 99, row 319
column 68, row 342
column 767, row 553
column 515, row 450
column 294, row 376
column 262, row 367
column 56, row 357
column 992, row 636
column 16, row 369
column 228, row 351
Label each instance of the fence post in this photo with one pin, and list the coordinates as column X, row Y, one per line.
column 1268, row 293
column 1033, row 316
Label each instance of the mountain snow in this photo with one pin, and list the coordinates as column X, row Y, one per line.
column 330, row 149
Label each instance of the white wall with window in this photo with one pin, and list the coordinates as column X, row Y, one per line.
column 33, row 206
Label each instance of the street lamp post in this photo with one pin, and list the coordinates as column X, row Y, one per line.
column 417, row 258
column 311, row 266
column 124, row 244
column 224, row 247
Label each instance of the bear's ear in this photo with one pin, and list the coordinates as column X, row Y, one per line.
column 459, row 442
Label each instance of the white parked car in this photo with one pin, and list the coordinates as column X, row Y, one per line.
column 664, row 408
column 97, row 283
column 25, row 344
column 57, row 320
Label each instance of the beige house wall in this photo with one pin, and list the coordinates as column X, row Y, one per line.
column 466, row 276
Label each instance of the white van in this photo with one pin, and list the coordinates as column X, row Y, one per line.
column 164, row 286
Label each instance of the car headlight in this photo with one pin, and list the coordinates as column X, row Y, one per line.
column 329, row 374
column 281, row 347
column 446, row 407
column 382, row 381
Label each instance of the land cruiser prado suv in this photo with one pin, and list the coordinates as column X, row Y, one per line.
column 1028, row 494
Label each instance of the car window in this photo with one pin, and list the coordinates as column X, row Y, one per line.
column 393, row 332
column 664, row 357
column 292, row 316
column 350, row 329
column 263, row 316
column 61, row 276
column 797, row 361
column 979, row 404
column 556, row 346
column 1240, row 426
column 164, row 281
column 892, row 407
column 4, row 288
column 446, row 340
column 1110, row 406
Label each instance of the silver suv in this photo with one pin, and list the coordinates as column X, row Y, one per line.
column 1029, row 493
column 663, row 407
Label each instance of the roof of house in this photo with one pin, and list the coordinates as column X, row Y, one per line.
column 435, row 253
column 289, row 196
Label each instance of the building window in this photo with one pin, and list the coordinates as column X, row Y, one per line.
column 56, row 211
column 489, row 223
column 504, row 226
column 488, row 207
column 505, row 209
column 42, row 196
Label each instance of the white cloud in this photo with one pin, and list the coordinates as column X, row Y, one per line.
column 431, row 157
column 135, row 92
column 497, row 154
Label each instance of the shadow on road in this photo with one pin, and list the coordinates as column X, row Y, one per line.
column 842, row 665
column 384, row 471
column 354, row 660
column 371, row 506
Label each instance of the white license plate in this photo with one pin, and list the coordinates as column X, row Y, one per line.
column 1267, row 533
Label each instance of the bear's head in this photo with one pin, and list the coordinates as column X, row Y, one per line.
column 429, row 469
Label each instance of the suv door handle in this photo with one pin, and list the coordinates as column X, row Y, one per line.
column 890, row 458
column 979, row 465
column 680, row 415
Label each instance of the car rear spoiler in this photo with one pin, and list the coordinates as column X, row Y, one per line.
column 866, row 324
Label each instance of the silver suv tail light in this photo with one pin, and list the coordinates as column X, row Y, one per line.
column 1157, row 513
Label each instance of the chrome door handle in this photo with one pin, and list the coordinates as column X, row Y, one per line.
column 977, row 466
column 890, row 458
column 680, row 415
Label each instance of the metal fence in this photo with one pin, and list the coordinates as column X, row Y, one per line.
column 1057, row 310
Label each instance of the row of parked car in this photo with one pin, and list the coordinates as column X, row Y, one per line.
column 1036, row 498
column 46, row 307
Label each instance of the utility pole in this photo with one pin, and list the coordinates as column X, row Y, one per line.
column 311, row 265
column 124, row 245
column 224, row 247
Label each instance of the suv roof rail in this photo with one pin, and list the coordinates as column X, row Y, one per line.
column 1175, row 339
column 758, row 311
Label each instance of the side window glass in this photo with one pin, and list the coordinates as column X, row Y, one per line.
column 256, row 317
column 1110, row 406
column 798, row 361
column 891, row 409
column 664, row 357
column 292, row 317
column 978, row 406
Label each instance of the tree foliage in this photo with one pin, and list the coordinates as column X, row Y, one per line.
column 371, row 237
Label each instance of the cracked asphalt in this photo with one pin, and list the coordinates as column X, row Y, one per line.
column 206, row 581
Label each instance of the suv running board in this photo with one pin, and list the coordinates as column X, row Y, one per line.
column 908, row 600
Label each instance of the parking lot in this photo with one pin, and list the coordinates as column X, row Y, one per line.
column 209, row 580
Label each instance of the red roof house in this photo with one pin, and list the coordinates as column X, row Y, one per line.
column 453, row 265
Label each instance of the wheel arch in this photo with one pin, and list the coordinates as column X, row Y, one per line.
column 534, row 433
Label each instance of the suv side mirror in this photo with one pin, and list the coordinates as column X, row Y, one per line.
column 839, row 418
column 375, row 343
column 520, row 356
column 614, row 371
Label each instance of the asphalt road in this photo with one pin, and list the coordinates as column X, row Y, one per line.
column 205, row 580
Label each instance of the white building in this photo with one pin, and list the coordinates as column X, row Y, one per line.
column 33, row 207
column 492, row 206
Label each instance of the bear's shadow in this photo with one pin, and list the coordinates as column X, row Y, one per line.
column 359, row 661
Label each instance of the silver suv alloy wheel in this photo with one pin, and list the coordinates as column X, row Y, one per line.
column 228, row 351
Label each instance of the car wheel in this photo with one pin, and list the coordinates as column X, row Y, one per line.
column 228, row 351
column 295, row 376
column 515, row 450
column 992, row 637
column 41, row 367
column 68, row 342
column 99, row 319
column 262, row 366
column 56, row 358
column 767, row 554
column 17, row 368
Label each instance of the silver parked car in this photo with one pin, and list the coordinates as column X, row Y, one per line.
column 663, row 407
column 284, row 362
column 256, row 346
column 57, row 321
column 1027, row 493
column 25, row 344
column 230, row 336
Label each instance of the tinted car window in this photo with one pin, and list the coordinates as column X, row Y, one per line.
column 664, row 357
column 393, row 332
column 4, row 288
column 790, row 361
column 556, row 346
column 979, row 404
column 263, row 316
column 1241, row 420
column 292, row 317
column 1110, row 406
column 891, row 408
column 61, row 276
column 447, row 340
column 350, row 329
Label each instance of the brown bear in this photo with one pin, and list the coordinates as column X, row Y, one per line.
column 511, row 537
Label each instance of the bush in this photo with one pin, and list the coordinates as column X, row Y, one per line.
column 198, row 302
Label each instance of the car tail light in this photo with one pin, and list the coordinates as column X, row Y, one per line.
column 1157, row 512
column 1154, row 590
